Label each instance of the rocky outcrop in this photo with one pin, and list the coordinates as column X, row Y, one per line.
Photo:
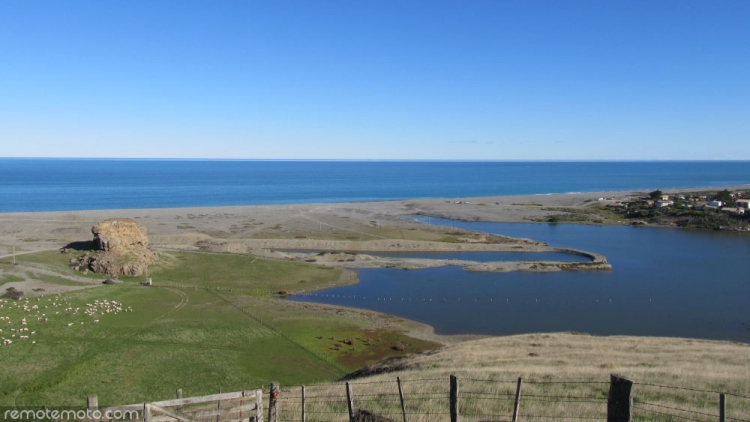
column 118, row 234
column 121, row 249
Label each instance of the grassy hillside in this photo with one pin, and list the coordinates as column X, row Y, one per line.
column 565, row 377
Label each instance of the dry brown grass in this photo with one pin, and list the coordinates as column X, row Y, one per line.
column 566, row 376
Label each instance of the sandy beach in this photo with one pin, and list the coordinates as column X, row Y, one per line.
column 296, row 226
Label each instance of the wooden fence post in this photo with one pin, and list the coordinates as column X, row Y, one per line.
column 179, row 396
column 454, row 398
column 722, row 407
column 92, row 403
column 218, row 406
column 518, row 400
column 259, row 405
column 273, row 411
column 146, row 412
column 350, row 402
column 620, row 399
column 303, row 404
column 401, row 396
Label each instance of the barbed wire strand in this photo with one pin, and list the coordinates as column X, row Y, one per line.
column 679, row 410
column 652, row 384
column 680, row 417
column 561, row 417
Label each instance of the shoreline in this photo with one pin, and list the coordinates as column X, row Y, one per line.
column 188, row 228
column 371, row 226
column 608, row 193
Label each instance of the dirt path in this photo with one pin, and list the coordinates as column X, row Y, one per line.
column 184, row 299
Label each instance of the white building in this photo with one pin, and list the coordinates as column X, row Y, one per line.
column 663, row 204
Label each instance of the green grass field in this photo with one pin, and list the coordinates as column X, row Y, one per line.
column 209, row 323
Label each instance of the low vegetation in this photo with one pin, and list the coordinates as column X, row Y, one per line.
column 687, row 210
column 210, row 322
column 589, row 215
column 565, row 376
column 8, row 278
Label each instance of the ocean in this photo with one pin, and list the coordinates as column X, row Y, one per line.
column 79, row 184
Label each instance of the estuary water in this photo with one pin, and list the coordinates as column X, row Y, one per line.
column 664, row 282
column 81, row 184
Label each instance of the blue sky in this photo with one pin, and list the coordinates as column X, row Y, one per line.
column 496, row 80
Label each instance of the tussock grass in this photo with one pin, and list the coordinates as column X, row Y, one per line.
column 565, row 376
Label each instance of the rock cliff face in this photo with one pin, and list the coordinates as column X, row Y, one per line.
column 122, row 248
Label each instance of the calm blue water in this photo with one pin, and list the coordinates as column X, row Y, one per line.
column 665, row 282
column 77, row 184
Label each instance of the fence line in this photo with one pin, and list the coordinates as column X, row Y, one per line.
column 453, row 398
column 450, row 399
column 676, row 387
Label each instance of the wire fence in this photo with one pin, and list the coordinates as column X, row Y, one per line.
column 487, row 399
column 662, row 402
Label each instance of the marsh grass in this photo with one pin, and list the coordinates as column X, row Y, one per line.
column 246, row 273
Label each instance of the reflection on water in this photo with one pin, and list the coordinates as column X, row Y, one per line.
column 664, row 282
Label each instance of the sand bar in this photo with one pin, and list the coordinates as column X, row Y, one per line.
column 179, row 227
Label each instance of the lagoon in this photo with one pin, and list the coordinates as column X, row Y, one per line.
column 664, row 282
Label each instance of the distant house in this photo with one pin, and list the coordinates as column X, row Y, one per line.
column 743, row 203
column 663, row 203
column 738, row 211
column 716, row 204
column 665, row 197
